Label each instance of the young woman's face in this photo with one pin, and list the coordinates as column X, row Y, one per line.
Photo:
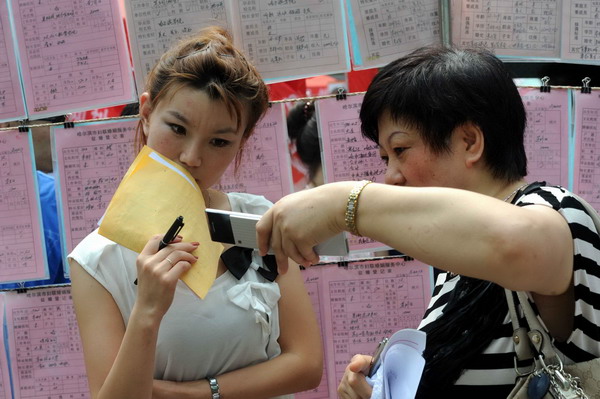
column 196, row 132
column 409, row 160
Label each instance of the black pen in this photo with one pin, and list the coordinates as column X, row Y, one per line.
column 171, row 233
column 170, row 236
column 376, row 359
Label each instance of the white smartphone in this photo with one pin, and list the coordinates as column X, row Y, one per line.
column 240, row 229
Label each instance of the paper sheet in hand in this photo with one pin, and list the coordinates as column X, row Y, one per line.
column 153, row 192
column 401, row 366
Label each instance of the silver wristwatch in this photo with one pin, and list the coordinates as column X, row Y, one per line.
column 214, row 387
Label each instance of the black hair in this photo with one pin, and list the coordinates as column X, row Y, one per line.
column 436, row 89
column 54, row 119
column 470, row 320
column 303, row 131
column 131, row 109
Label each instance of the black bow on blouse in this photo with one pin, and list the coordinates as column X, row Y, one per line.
column 238, row 259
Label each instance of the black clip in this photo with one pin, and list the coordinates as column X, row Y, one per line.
column 69, row 124
column 545, row 88
column 343, row 263
column 21, row 289
column 586, row 89
column 341, row 94
column 23, row 128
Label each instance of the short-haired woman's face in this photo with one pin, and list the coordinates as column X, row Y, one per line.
column 196, row 132
column 410, row 162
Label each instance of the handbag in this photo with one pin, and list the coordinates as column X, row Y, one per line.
column 548, row 378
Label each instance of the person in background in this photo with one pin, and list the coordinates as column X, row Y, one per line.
column 250, row 337
column 304, row 134
column 47, row 194
column 450, row 126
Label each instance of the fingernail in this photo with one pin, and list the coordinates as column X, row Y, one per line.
column 195, row 244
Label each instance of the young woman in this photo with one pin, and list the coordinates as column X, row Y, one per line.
column 450, row 124
column 249, row 337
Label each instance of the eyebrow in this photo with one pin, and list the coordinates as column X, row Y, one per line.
column 184, row 120
column 179, row 116
column 390, row 137
column 394, row 134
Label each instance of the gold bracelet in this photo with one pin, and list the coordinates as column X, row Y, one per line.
column 352, row 206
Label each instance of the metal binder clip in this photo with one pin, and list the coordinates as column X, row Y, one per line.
column 341, row 94
column 585, row 88
column 545, row 88
column 23, row 128
column 21, row 288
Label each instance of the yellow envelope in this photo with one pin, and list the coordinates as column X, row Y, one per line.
column 152, row 194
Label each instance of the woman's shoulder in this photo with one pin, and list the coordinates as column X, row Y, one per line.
column 543, row 194
column 249, row 203
column 95, row 247
column 554, row 196
column 93, row 242
column 573, row 207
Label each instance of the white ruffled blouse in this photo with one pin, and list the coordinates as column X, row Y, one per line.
column 234, row 326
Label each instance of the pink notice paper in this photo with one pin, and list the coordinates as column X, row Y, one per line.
column 580, row 30
column 586, row 173
column 73, row 55
column 387, row 29
column 366, row 302
column 12, row 106
column 292, row 39
column 314, row 285
column 266, row 167
column 547, row 135
column 525, row 29
column 45, row 349
column 22, row 249
column 5, row 392
column 92, row 159
column 155, row 25
column 346, row 154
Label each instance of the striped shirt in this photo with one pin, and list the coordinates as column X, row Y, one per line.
column 492, row 372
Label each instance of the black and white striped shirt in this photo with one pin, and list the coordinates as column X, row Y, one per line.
column 492, row 372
